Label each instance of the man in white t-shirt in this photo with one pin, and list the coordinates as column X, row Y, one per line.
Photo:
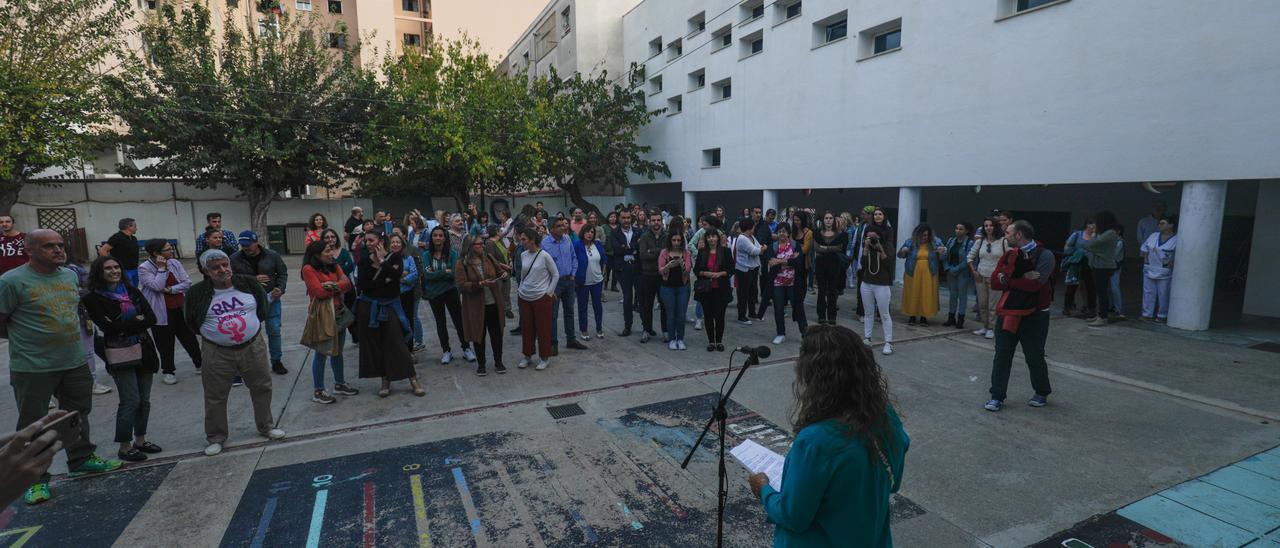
column 228, row 311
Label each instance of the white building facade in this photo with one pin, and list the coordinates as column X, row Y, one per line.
column 1065, row 107
column 571, row 36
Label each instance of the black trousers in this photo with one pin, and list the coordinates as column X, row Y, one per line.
column 748, row 289
column 793, row 294
column 164, row 336
column 349, row 301
column 1032, row 332
column 1102, row 288
column 493, row 328
column 828, row 292
column 765, row 284
column 649, row 284
column 714, row 306
column 629, row 277
column 450, row 301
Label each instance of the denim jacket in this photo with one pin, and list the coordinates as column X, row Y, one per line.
column 963, row 264
column 935, row 260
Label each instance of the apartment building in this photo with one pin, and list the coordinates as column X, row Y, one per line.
column 571, row 37
column 943, row 110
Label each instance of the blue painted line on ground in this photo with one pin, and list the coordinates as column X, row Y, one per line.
column 267, row 512
column 461, row 482
column 627, row 512
column 586, row 529
column 317, row 518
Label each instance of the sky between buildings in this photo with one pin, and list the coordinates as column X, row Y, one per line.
column 495, row 23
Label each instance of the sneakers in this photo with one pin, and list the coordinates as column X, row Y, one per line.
column 574, row 344
column 1038, row 401
column 320, row 396
column 37, row 494
column 866, row 341
column 993, row 405
column 469, row 354
column 446, row 357
column 981, row 332
column 887, row 350
column 644, row 337
column 744, row 321
column 212, row 449
column 542, row 364
column 237, row 382
column 95, row 465
column 779, row 339
column 671, row 345
column 680, row 345
column 697, row 324
column 1098, row 322
column 991, row 334
column 344, row 390
column 167, row 378
column 278, row 368
column 274, row 434
column 584, row 336
column 419, row 347
column 501, row 369
column 599, row 334
column 524, row 362
column 100, row 389
column 480, row 372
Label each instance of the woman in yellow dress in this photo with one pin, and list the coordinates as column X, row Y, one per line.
column 924, row 254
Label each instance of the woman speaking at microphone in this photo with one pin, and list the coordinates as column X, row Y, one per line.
column 848, row 453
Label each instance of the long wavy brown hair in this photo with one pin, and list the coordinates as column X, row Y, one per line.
column 837, row 378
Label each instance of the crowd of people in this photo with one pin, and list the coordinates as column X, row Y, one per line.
column 365, row 286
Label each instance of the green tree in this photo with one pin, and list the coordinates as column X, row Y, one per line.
column 262, row 109
column 51, row 100
column 589, row 130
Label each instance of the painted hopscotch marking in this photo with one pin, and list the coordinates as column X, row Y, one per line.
column 317, row 518
column 522, row 510
column 469, row 505
column 627, row 512
column 420, row 511
column 370, row 516
column 27, row 533
column 261, row 534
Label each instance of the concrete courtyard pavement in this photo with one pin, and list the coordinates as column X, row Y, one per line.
column 480, row 461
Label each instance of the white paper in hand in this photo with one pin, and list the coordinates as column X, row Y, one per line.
column 758, row 458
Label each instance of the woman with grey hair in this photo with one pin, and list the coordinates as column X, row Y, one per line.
column 457, row 231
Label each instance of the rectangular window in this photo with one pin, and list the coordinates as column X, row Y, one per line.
column 722, row 90
column 409, row 5
column 675, row 49
column 335, row 6
column 831, row 28
column 302, row 5
column 697, row 79
column 151, row 4
column 698, row 23
column 564, row 22
column 675, row 105
column 1024, row 5
column 793, row 10
column 337, row 40
column 711, row 157
column 655, row 84
column 889, row 40
column 751, row 10
column 836, row 31
column 721, row 39
column 655, row 46
column 413, row 39
column 751, row 44
column 757, row 45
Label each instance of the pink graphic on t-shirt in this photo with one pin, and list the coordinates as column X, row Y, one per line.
column 232, row 325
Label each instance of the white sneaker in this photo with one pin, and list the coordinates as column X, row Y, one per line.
column 446, row 357
column 866, row 341
column 583, row 336
column 212, row 449
column 469, row 354
column 100, row 389
column 991, row 334
column 981, row 331
column 744, row 322
column 888, row 349
column 671, row 345
column 779, row 339
column 167, row 378
column 680, row 345
column 599, row 334
column 542, row 364
column 697, row 324
column 524, row 362
column 275, row 434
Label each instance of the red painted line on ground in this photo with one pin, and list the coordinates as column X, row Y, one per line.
column 5, row 517
column 666, row 500
column 370, row 517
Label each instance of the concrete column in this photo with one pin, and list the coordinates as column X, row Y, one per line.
column 908, row 217
column 769, row 200
column 691, row 206
column 1196, row 262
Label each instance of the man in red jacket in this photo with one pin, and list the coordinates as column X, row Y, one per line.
column 1024, row 274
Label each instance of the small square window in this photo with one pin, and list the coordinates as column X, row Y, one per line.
column 697, row 79
column 1024, row 5
column 698, row 23
column 837, row 30
column 830, row 28
column 751, row 44
column 655, row 84
column 413, row 39
column 882, row 38
column 722, row 90
column 792, row 10
column 655, row 46
column 409, row 5
column 751, row 10
column 564, row 21
column 302, row 5
column 337, row 40
column 887, row 41
column 675, row 49
column 711, row 157
column 335, row 6
column 675, row 105
column 757, row 45
column 722, row 38
column 151, row 4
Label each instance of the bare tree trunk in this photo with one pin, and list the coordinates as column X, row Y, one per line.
column 575, row 196
column 9, row 191
column 259, row 204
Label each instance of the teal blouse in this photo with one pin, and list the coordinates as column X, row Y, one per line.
column 835, row 493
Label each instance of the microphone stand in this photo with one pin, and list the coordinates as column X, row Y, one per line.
column 720, row 415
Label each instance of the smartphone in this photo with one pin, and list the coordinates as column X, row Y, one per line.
column 67, row 427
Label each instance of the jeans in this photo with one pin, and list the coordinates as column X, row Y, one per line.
column 1117, row 304
column 628, row 277
column 74, row 390
column 335, row 362
column 794, row 294
column 676, row 300
column 564, row 299
column 959, row 285
column 416, row 318
column 747, row 289
column 273, row 331
column 1102, row 285
column 649, row 284
column 876, row 298
column 448, row 301
column 1032, row 332
column 164, row 336
column 594, row 292
column 134, row 389
column 1155, row 297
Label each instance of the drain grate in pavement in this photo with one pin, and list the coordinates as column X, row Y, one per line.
column 1267, row 347
column 565, row 411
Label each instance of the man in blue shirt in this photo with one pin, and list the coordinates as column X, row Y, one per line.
column 559, row 246
column 214, row 222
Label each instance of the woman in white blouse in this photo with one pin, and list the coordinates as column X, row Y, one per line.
column 983, row 257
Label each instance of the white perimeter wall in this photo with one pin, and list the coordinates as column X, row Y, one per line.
column 1079, row 92
column 160, row 215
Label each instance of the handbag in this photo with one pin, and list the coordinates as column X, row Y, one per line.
column 321, row 330
column 702, row 286
column 122, row 354
column 345, row 318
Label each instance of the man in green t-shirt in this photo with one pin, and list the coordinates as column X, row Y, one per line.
column 38, row 315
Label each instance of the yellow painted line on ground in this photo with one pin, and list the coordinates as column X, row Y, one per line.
column 420, row 511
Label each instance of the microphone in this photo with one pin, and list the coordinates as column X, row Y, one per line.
column 757, row 351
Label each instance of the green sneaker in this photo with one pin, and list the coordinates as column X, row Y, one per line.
column 37, row 494
column 95, row 465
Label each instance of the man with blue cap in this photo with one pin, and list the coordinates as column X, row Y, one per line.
column 268, row 268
